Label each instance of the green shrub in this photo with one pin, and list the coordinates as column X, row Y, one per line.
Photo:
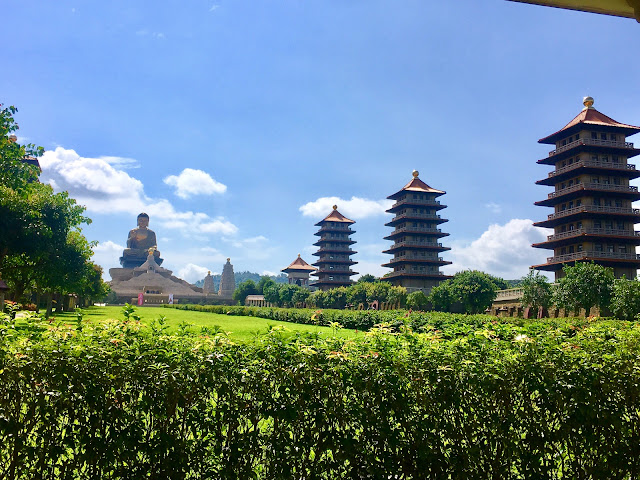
column 493, row 400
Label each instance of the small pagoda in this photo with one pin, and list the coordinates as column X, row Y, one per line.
column 335, row 252
column 416, row 264
column 298, row 272
column 593, row 218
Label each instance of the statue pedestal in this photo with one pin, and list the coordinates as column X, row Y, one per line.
column 133, row 259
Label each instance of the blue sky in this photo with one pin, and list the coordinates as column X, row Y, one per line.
column 233, row 122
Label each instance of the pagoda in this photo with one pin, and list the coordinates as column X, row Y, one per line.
column 416, row 264
column 334, row 252
column 298, row 272
column 593, row 218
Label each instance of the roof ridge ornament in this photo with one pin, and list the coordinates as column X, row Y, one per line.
column 415, row 173
column 587, row 102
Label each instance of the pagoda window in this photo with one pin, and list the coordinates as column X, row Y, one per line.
column 613, row 137
column 608, row 225
column 596, row 201
column 577, row 136
column 564, row 142
column 578, row 203
column 594, row 135
column 607, row 202
column 606, row 180
column 572, row 227
column 563, row 251
column 605, row 158
column 622, row 248
column 616, row 181
column 611, row 248
column 594, row 158
column 615, row 159
column 620, row 225
column 579, row 247
column 597, row 224
column 571, row 250
column 598, row 247
column 579, row 225
column 563, row 228
column 595, row 179
column 603, row 136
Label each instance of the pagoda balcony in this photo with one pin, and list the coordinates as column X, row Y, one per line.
column 323, row 240
column 591, row 141
column 416, row 202
column 594, row 164
column 418, row 258
column 432, row 217
column 326, row 249
column 325, row 261
column 338, row 228
column 593, row 231
column 592, row 254
column 410, row 245
column 435, row 231
column 438, row 275
column 604, row 187
column 329, row 271
column 589, row 210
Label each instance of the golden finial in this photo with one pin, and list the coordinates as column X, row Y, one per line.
column 587, row 102
column 209, row 274
column 298, row 255
column 335, row 207
column 415, row 173
column 228, row 260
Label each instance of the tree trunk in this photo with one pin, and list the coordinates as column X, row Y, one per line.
column 49, row 305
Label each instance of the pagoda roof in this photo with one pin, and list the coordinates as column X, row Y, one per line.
column 416, row 185
column 335, row 216
column 298, row 265
column 591, row 117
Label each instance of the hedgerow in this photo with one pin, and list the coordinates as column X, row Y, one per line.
column 501, row 401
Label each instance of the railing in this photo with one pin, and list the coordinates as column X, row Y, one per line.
column 337, row 250
column 593, row 254
column 593, row 231
column 337, row 228
column 593, row 208
column 428, row 216
column 426, row 203
column 417, row 229
column 413, row 257
column 405, row 272
column 416, row 244
column 509, row 294
column 592, row 163
column 593, row 186
column 591, row 141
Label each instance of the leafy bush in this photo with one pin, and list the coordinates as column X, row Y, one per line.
column 537, row 400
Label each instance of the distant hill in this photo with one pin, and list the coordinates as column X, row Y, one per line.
column 242, row 276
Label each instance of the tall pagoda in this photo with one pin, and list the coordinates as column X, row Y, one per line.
column 416, row 264
column 335, row 252
column 593, row 218
column 298, row 272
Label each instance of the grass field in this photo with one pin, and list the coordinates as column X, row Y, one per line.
column 239, row 328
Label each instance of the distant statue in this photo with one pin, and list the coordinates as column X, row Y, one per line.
column 141, row 240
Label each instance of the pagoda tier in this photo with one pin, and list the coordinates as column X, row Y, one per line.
column 333, row 264
column 416, row 264
column 298, row 272
column 593, row 218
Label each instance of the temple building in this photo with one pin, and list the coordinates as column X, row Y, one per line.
column 593, row 218
column 416, row 264
column 208, row 287
column 335, row 252
column 298, row 272
column 227, row 281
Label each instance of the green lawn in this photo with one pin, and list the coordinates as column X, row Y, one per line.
column 240, row 328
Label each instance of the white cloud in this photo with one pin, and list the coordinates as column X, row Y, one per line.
column 121, row 162
column 356, row 208
column 502, row 250
column 493, row 207
column 270, row 273
column 194, row 182
column 104, row 188
column 253, row 242
column 192, row 272
column 214, row 8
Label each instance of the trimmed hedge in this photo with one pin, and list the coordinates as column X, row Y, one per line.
column 514, row 402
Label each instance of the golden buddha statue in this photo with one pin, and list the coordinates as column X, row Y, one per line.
column 139, row 243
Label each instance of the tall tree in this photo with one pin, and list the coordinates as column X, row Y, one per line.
column 584, row 285
column 537, row 291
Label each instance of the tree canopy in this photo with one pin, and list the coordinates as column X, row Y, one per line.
column 584, row 285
